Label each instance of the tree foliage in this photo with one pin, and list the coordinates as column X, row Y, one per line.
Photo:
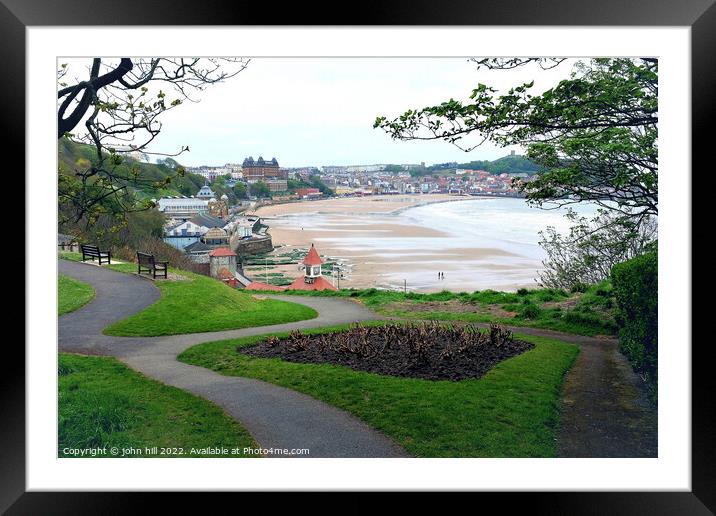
column 260, row 189
column 240, row 191
column 592, row 248
column 504, row 164
column 594, row 133
column 115, row 106
column 317, row 182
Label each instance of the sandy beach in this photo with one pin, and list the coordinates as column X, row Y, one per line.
column 365, row 204
column 403, row 241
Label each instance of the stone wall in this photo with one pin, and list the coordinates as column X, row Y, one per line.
column 250, row 247
column 216, row 263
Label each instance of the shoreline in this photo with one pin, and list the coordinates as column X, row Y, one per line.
column 415, row 200
column 384, row 249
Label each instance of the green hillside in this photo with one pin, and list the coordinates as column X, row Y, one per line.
column 504, row 164
column 511, row 163
column 69, row 153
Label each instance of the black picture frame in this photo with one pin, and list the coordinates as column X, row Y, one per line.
column 700, row 15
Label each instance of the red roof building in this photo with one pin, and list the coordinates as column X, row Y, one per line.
column 319, row 283
column 312, row 258
column 257, row 285
column 222, row 251
column 312, row 278
column 308, row 192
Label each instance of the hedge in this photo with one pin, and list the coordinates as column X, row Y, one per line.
column 635, row 284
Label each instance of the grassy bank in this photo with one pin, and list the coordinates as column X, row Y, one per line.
column 200, row 304
column 72, row 294
column 584, row 313
column 513, row 411
column 103, row 403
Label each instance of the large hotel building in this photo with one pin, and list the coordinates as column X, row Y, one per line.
column 260, row 169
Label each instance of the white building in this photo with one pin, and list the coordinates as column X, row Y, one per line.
column 187, row 228
column 184, row 234
column 182, row 207
column 206, row 193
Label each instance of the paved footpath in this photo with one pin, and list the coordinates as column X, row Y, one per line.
column 605, row 408
column 605, row 412
column 275, row 416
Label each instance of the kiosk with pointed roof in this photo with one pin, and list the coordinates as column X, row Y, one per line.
column 312, row 277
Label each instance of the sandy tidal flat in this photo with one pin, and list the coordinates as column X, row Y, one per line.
column 404, row 241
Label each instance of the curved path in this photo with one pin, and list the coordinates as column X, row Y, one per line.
column 605, row 408
column 275, row 416
column 605, row 412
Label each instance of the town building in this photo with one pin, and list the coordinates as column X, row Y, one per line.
column 222, row 265
column 216, row 236
column 308, row 192
column 203, row 219
column 205, row 193
column 182, row 207
column 198, row 252
column 211, row 173
column 277, row 185
column 184, row 234
column 261, row 170
column 219, row 208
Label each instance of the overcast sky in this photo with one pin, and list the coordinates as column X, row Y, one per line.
column 320, row 111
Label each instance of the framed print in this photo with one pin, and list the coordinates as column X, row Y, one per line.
column 420, row 246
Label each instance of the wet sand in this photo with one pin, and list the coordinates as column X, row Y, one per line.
column 362, row 232
column 365, row 204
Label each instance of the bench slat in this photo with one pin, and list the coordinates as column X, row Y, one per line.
column 93, row 252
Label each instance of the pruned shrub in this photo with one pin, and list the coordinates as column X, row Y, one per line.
column 635, row 284
column 427, row 350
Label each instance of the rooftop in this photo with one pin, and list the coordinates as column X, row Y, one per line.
column 215, row 233
column 257, row 285
column 222, row 251
column 312, row 258
column 319, row 283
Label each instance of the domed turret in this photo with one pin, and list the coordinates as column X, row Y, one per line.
column 205, row 192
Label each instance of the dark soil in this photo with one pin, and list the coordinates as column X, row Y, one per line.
column 379, row 351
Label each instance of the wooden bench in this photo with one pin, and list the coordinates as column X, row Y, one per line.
column 92, row 251
column 147, row 263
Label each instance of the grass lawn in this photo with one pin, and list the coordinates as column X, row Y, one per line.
column 574, row 324
column 72, row 294
column 513, row 411
column 588, row 313
column 200, row 304
column 70, row 255
column 104, row 403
